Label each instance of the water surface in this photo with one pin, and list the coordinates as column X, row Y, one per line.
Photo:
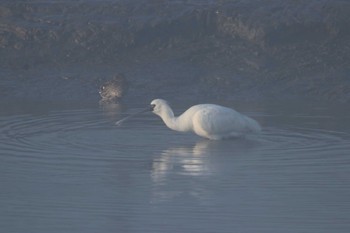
column 71, row 170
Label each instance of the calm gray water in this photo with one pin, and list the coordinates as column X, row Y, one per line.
column 72, row 170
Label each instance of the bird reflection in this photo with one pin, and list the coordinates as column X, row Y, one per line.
column 173, row 164
column 182, row 160
column 189, row 171
column 111, row 110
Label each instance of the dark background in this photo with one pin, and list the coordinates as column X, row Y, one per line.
column 251, row 50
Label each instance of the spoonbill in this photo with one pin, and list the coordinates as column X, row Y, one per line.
column 210, row 121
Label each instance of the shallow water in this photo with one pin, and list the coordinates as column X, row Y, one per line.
column 72, row 170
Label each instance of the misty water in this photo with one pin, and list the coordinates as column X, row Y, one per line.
column 70, row 169
column 66, row 167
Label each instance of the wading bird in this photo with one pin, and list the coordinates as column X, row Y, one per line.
column 206, row 120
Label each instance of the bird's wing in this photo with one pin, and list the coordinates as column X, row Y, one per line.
column 222, row 121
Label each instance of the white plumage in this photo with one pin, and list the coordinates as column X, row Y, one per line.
column 207, row 120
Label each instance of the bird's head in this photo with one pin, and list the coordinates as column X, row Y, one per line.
column 158, row 106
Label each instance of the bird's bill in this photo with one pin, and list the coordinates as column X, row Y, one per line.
column 148, row 109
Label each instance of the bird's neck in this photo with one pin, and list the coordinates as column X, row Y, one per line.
column 169, row 119
column 175, row 123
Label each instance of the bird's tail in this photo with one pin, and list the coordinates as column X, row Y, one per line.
column 253, row 125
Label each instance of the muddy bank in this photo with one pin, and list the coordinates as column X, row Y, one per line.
column 63, row 50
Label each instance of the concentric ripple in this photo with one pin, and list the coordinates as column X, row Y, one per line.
column 304, row 139
column 74, row 167
column 71, row 134
column 78, row 133
column 82, row 131
column 50, row 137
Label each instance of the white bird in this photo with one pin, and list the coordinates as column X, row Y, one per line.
column 206, row 120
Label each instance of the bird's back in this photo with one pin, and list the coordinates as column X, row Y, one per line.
column 216, row 122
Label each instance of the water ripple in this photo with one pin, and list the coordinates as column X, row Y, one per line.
column 80, row 131
column 73, row 167
column 294, row 139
